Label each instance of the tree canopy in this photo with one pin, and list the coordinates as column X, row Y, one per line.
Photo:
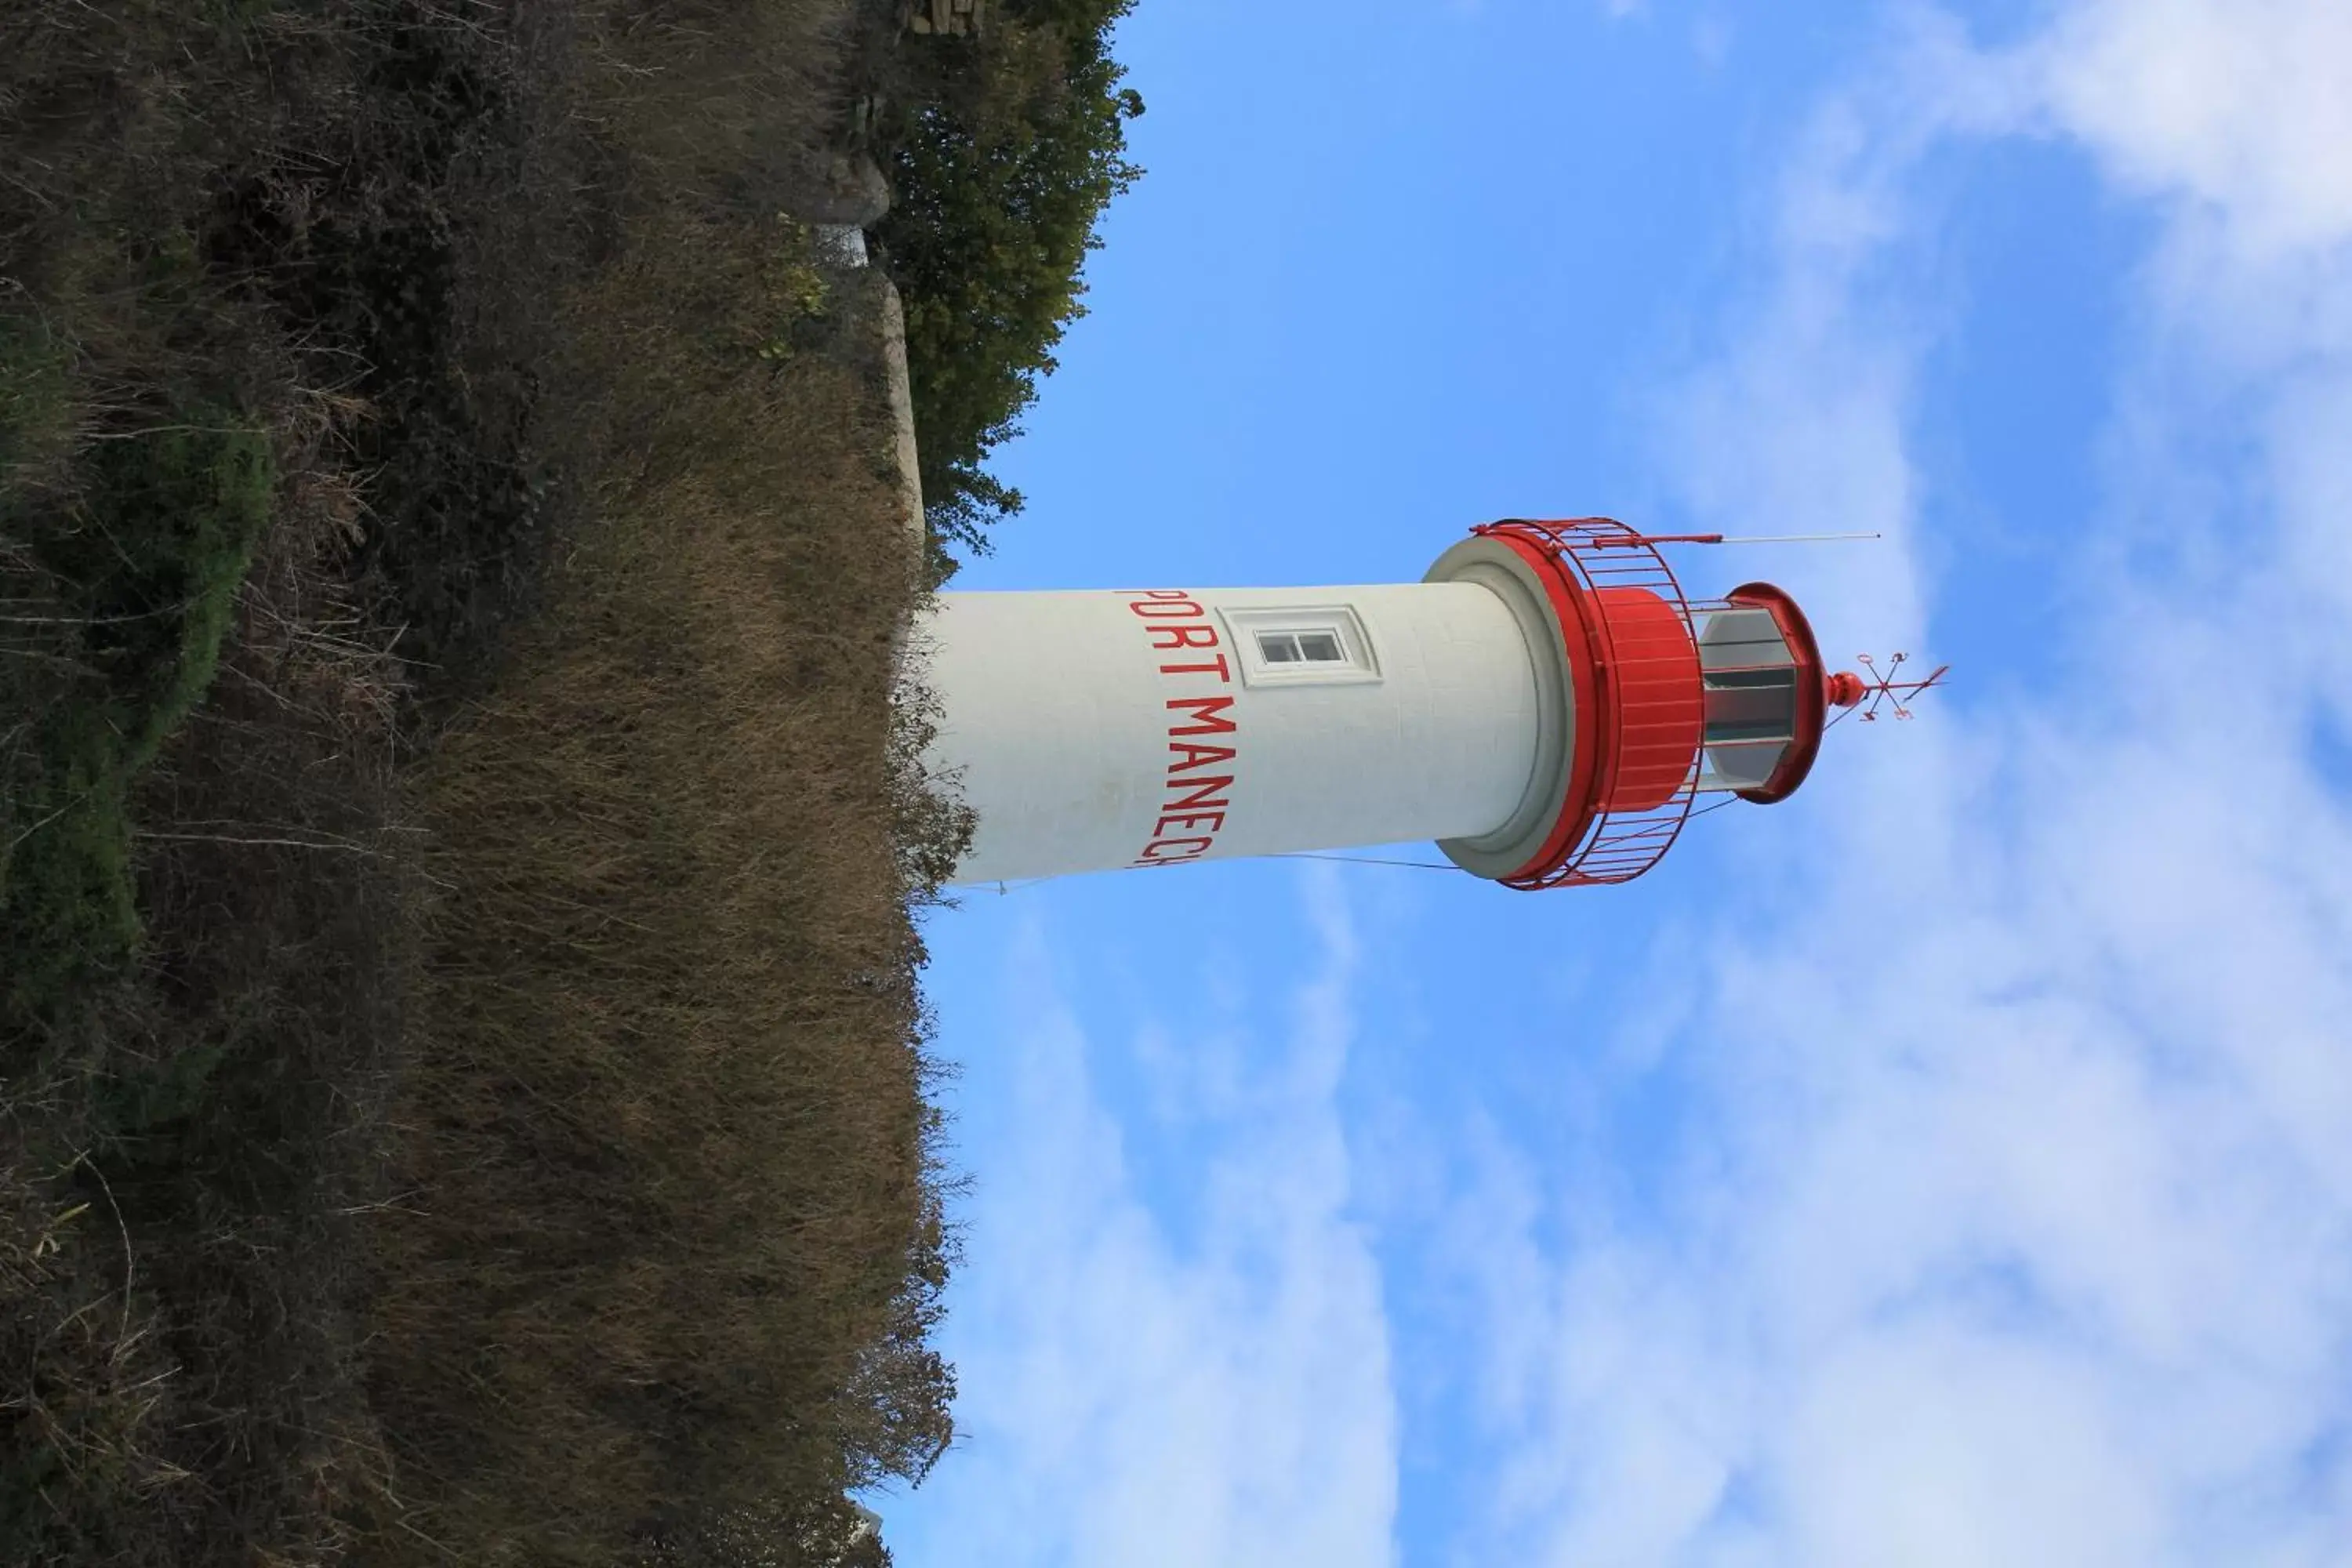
column 1004, row 149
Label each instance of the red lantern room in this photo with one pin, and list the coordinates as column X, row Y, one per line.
column 1669, row 698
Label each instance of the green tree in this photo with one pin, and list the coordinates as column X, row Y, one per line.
column 1004, row 151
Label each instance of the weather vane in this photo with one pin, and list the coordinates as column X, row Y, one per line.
column 1884, row 691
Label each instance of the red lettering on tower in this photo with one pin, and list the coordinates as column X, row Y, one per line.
column 1198, row 756
column 1207, row 711
column 1151, row 850
column 1203, row 797
column 1177, row 620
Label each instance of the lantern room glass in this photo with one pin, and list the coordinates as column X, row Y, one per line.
column 1748, row 682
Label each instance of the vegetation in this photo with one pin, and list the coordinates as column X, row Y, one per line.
column 196, row 920
column 677, row 1199
column 461, row 1073
column 1004, row 151
column 136, row 573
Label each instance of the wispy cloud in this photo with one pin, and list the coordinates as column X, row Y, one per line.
column 1801, row 424
column 1139, row 1394
column 2026, row 1237
column 2235, row 106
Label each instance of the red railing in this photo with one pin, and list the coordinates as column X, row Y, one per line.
column 1637, row 686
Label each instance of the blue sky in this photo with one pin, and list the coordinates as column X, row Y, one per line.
column 1952, row 1165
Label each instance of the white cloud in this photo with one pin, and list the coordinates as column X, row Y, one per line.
column 2238, row 105
column 1134, row 1396
column 1801, row 427
column 2231, row 117
column 2018, row 1226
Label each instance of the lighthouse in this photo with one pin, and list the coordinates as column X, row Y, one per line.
column 1547, row 704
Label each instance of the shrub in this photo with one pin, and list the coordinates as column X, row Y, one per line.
column 1003, row 152
column 139, row 570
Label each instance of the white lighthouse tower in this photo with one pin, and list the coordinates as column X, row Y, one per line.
column 1547, row 704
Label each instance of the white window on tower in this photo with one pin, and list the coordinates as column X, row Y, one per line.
column 1319, row 645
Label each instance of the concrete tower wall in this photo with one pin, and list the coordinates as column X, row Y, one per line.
column 1104, row 729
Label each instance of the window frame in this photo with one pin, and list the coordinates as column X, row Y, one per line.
column 1356, row 665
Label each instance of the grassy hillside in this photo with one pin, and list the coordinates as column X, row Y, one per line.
column 463, row 1072
column 664, row 1120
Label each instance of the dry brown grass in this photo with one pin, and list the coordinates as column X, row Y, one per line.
column 650, row 1226
column 186, row 1140
column 667, row 1170
column 186, row 1167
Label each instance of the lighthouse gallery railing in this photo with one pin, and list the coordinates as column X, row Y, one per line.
column 1633, row 657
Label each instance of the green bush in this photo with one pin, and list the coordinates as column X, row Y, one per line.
column 1002, row 151
column 153, row 559
column 140, row 560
